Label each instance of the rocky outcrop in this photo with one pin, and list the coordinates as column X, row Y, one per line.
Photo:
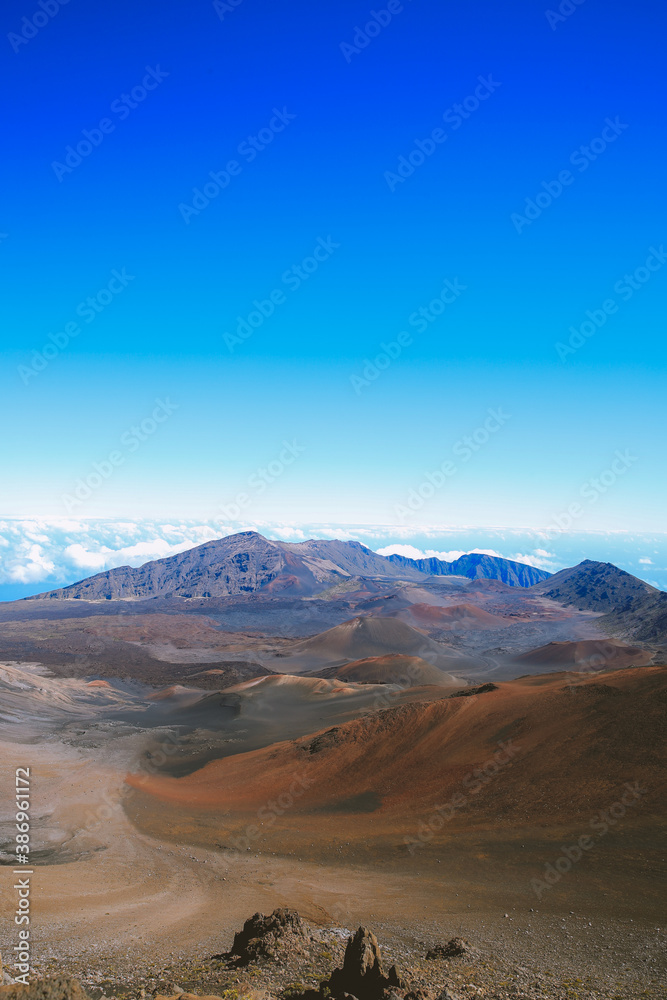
column 453, row 949
column 264, row 937
column 284, row 934
column 362, row 975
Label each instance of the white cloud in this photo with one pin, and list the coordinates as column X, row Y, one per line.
column 408, row 551
column 45, row 553
column 487, row 552
column 85, row 559
column 133, row 555
column 538, row 558
column 286, row 532
column 61, row 550
column 411, row 552
column 156, row 548
column 30, row 565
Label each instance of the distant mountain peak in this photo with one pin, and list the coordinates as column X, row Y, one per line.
column 247, row 562
column 595, row 586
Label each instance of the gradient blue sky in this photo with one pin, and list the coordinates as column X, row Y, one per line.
column 324, row 176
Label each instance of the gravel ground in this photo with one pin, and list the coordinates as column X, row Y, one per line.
column 560, row 961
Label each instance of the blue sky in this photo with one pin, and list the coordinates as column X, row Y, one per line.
column 541, row 203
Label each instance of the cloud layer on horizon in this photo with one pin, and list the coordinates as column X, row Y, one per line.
column 41, row 553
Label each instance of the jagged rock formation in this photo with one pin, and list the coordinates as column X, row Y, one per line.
column 362, row 975
column 263, row 937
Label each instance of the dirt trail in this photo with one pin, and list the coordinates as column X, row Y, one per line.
column 118, row 896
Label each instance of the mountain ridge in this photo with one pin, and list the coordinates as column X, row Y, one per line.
column 247, row 562
column 476, row 566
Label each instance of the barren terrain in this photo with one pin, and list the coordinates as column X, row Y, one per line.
column 184, row 777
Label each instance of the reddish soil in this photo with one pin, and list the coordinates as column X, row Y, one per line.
column 573, row 745
column 458, row 615
column 598, row 654
column 410, row 671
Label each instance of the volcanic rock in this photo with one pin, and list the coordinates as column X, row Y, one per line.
column 262, row 937
column 362, row 974
column 456, row 946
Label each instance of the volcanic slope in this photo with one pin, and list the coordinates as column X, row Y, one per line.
column 644, row 619
column 596, row 654
column 508, row 761
column 455, row 617
column 363, row 637
column 408, row 671
column 271, row 709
